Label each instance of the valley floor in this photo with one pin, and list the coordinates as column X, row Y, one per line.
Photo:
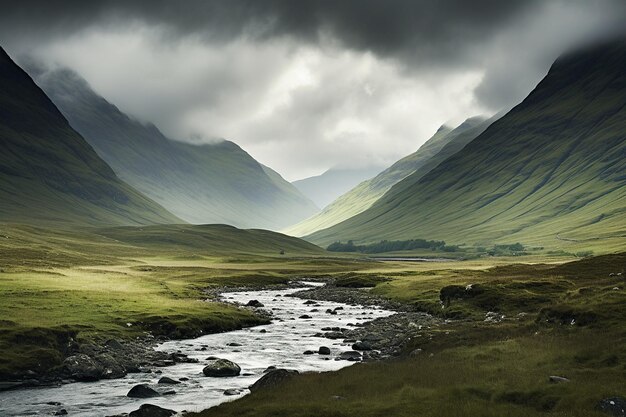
column 508, row 324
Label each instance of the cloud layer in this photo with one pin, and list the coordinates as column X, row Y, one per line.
column 307, row 85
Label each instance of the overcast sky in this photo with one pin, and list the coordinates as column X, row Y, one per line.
column 307, row 85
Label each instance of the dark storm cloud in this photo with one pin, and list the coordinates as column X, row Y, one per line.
column 307, row 84
column 417, row 30
column 444, row 34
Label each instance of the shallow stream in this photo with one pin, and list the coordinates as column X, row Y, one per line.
column 282, row 344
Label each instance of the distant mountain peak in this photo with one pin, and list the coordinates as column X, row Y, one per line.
column 199, row 182
column 550, row 169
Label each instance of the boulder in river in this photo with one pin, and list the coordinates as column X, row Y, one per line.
column 362, row 346
column 149, row 410
column 222, row 368
column 350, row 355
column 255, row 303
column 305, row 316
column 168, row 380
column 231, row 392
column 323, row 350
column 272, row 379
column 142, row 391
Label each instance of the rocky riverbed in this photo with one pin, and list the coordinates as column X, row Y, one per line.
column 175, row 375
column 382, row 337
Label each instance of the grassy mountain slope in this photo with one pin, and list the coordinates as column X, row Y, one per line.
column 214, row 183
column 548, row 173
column 368, row 192
column 48, row 173
column 213, row 239
column 325, row 188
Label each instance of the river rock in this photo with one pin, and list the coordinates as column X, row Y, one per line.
column 83, row 368
column 323, row 350
column 222, row 368
column 111, row 368
column 362, row 346
column 305, row 316
column 273, row 378
column 149, row 410
column 168, row 380
column 350, row 355
column 114, row 345
column 142, row 391
column 308, row 352
column 615, row 406
column 231, row 392
column 255, row 304
column 61, row 412
column 416, row 352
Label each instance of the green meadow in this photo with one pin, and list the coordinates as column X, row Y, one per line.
column 562, row 316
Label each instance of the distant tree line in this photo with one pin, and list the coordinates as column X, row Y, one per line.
column 504, row 250
column 392, row 246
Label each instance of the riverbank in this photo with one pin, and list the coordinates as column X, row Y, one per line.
column 63, row 289
column 290, row 341
column 517, row 340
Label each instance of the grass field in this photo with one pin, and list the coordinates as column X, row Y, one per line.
column 57, row 285
column 560, row 318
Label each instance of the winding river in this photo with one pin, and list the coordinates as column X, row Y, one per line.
column 281, row 344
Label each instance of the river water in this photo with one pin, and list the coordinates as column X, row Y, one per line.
column 281, row 345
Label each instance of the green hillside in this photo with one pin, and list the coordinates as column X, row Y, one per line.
column 549, row 173
column 49, row 174
column 210, row 239
column 214, row 183
column 368, row 192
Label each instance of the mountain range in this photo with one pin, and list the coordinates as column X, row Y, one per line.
column 49, row 173
column 551, row 170
column 445, row 142
column 210, row 183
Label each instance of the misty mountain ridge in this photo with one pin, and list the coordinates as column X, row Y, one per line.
column 209, row 183
column 368, row 192
column 551, row 170
column 49, row 173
